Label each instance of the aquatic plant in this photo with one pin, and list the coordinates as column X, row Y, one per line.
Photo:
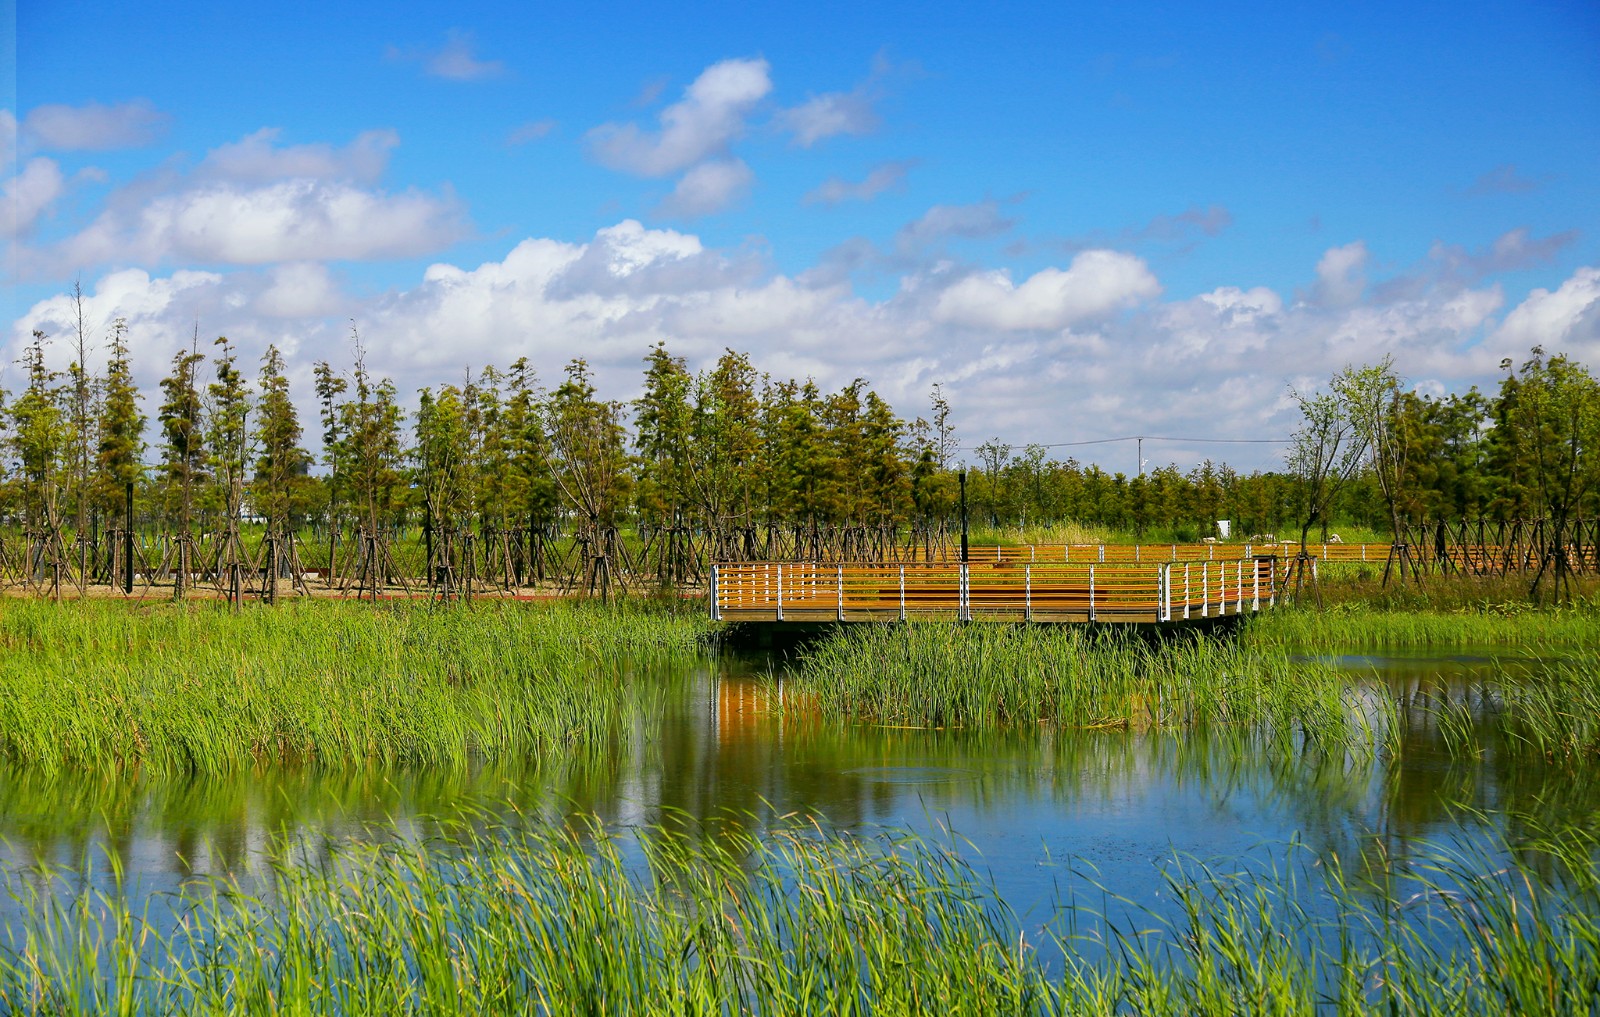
column 1351, row 626
column 934, row 675
column 192, row 688
column 795, row 920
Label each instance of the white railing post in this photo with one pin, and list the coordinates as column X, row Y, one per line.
column 716, row 608
column 1027, row 592
column 780, row 591
column 964, row 611
column 1185, row 591
column 841, row 593
column 1091, row 584
column 1255, row 579
column 1205, row 589
column 1238, row 607
column 902, row 593
column 1165, row 591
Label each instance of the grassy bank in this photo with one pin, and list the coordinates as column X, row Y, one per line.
column 193, row 688
column 790, row 922
column 934, row 675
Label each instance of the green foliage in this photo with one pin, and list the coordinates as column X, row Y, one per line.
column 789, row 920
column 195, row 689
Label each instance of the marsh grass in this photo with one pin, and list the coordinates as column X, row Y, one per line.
column 793, row 920
column 1357, row 625
column 193, row 688
column 931, row 675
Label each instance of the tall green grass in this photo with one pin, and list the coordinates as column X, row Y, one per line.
column 1352, row 625
column 933, row 675
column 193, row 688
column 790, row 921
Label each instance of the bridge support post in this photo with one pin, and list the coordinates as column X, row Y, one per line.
column 780, row 591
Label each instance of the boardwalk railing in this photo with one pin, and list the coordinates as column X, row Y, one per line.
column 1003, row 591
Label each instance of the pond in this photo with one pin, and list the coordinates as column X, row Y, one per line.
column 1036, row 808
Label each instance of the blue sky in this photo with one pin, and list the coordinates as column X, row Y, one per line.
column 1082, row 222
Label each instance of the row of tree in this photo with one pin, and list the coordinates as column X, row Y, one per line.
column 722, row 463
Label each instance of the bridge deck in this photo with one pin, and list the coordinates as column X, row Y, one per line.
column 996, row 591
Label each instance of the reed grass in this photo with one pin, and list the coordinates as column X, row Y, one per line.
column 1351, row 626
column 932, row 675
column 193, row 688
column 792, row 921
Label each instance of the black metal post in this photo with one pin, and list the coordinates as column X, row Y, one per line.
column 127, row 542
column 962, row 476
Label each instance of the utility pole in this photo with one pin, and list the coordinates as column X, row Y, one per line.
column 1140, row 440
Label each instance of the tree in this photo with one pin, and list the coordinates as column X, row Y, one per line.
column 589, row 465
column 1546, row 439
column 228, row 434
column 120, row 451
column 1324, row 453
column 183, row 462
column 281, row 465
column 39, row 439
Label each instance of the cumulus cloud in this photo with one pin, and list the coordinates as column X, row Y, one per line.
column 1087, row 350
column 30, row 193
column 258, row 157
column 891, row 176
column 709, row 187
column 1095, row 284
column 1341, row 275
column 93, row 126
column 254, row 202
column 711, row 114
column 292, row 220
column 1566, row 319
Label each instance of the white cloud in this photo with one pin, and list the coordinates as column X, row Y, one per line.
column 709, row 187
column 700, row 125
column 93, row 126
column 1095, row 284
column 967, row 222
column 1087, row 350
column 300, row 289
column 256, row 157
column 891, row 176
column 833, row 113
column 293, row 220
column 1565, row 320
column 533, row 130
column 30, row 193
column 1341, row 275
column 8, row 137
column 455, row 60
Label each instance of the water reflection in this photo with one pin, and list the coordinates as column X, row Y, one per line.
column 725, row 752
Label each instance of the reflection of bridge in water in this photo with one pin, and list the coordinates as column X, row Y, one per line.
column 998, row 589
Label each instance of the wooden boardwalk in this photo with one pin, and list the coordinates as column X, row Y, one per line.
column 1056, row 591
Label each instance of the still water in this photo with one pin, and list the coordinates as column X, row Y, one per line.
column 1033, row 808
